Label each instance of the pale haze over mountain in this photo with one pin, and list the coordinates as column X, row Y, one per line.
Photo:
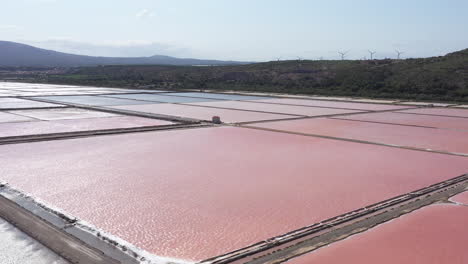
column 118, row 49
column 14, row 54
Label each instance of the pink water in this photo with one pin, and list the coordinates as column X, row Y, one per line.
column 278, row 108
column 75, row 125
column 333, row 104
column 197, row 193
column 417, row 120
column 439, row 111
column 461, row 198
column 61, row 113
column 426, row 138
column 433, row 235
column 203, row 113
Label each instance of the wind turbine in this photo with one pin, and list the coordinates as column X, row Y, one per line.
column 371, row 54
column 343, row 54
column 399, row 53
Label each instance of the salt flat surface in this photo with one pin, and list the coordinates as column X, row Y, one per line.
column 221, row 96
column 461, row 106
column 75, row 125
column 9, row 103
column 461, row 198
column 419, row 137
column 197, row 193
column 333, row 98
column 426, row 104
column 439, row 111
column 203, row 113
column 416, row 120
column 93, row 100
column 367, row 100
column 41, row 93
column 6, row 117
column 12, row 100
column 433, row 235
column 18, row 248
column 62, row 113
column 137, row 90
column 162, row 98
column 277, row 108
column 334, row 104
column 61, row 89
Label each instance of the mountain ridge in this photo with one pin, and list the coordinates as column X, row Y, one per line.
column 14, row 54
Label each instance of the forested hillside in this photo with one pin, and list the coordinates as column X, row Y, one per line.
column 437, row 78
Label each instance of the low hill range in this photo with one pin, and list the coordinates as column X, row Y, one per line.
column 14, row 54
column 441, row 78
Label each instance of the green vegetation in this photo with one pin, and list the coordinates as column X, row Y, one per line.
column 436, row 79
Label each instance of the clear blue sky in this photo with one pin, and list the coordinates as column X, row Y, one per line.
column 239, row 29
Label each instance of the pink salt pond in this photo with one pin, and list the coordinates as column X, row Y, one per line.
column 15, row 103
column 413, row 120
column 61, row 113
column 439, row 111
column 277, row 108
column 197, row 193
column 202, row 113
column 75, row 125
column 333, row 104
column 432, row 235
column 6, row 117
column 407, row 136
column 461, row 198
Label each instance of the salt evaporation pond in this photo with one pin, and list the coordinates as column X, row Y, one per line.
column 197, row 193
column 333, row 104
column 407, row 136
column 432, row 235
column 414, row 120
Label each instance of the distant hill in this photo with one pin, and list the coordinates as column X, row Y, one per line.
column 14, row 54
column 442, row 78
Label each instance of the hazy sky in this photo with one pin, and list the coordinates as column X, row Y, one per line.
column 239, row 29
